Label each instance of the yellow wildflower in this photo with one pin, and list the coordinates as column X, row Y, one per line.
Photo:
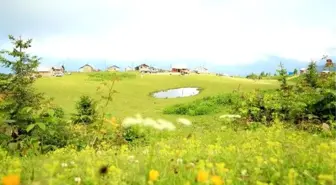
column 11, row 180
column 153, row 175
column 202, row 176
column 216, row 180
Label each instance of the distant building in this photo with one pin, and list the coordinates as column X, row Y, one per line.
column 142, row 68
column 44, row 71
column 201, row 70
column 57, row 71
column 303, row 70
column 86, row 68
column 179, row 68
column 113, row 68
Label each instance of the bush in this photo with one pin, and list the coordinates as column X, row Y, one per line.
column 204, row 106
column 86, row 111
column 135, row 134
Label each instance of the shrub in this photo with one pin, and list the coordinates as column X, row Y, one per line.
column 204, row 106
column 135, row 134
column 86, row 111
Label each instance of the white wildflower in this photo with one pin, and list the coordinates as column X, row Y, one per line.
column 149, row 122
column 130, row 122
column 244, row 172
column 166, row 124
column 131, row 158
column 78, row 179
column 184, row 121
column 179, row 161
column 136, row 161
column 64, row 165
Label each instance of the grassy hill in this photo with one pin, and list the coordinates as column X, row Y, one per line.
column 210, row 150
column 133, row 94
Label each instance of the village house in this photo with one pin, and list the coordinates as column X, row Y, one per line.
column 113, row 68
column 142, row 68
column 303, row 70
column 57, row 71
column 179, row 68
column 86, row 68
column 201, row 70
column 44, row 71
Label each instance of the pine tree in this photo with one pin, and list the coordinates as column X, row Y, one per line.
column 17, row 86
column 311, row 77
column 295, row 71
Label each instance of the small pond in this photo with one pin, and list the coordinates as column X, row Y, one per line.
column 176, row 93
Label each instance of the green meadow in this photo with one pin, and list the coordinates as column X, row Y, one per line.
column 134, row 93
column 210, row 150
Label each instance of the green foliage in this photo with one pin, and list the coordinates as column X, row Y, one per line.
column 17, row 86
column 283, row 77
column 252, row 76
column 295, row 71
column 30, row 122
column 135, row 134
column 311, row 77
column 204, row 106
column 86, row 111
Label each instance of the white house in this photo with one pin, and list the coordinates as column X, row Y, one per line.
column 303, row 70
column 201, row 70
column 44, row 71
column 142, row 68
column 113, row 68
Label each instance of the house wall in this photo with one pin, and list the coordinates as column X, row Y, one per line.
column 86, row 69
column 178, row 70
column 113, row 69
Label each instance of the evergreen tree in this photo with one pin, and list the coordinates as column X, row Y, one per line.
column 17, row 86
column 295, row 71
column 311, row 77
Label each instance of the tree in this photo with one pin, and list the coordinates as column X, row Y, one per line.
column 17, row 86
column 262, row 74
column 295, row 71
column 311, row 77
column 283, row 77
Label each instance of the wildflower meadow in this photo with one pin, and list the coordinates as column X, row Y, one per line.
column 107, row 128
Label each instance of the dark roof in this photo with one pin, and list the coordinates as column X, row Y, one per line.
column 86, row 65
column 143, row 65
column 114, row 66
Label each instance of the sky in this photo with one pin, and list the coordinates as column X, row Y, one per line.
column 220, row 34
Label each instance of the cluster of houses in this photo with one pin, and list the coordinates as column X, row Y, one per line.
column 143, row 68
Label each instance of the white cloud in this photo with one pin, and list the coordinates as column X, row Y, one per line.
column 218, row 32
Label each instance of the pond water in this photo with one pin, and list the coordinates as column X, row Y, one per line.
column 176, row 93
